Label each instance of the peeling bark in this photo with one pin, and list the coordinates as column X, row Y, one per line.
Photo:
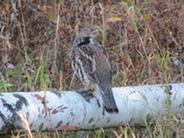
column 52, row 110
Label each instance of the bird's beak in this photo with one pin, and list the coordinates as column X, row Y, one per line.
column 97, row 31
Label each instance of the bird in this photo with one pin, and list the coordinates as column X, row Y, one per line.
column 90, row 63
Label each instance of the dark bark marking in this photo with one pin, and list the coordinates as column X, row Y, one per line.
column 57, row 93
column 108, row 120
column 41, row 126
column 12, row 122
column 22, row 100
column 98, row 103
column 68, row 123
column 91, row 120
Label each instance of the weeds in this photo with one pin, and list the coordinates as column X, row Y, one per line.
column 140, row 36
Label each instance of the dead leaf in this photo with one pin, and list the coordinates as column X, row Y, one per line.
column 114, row 19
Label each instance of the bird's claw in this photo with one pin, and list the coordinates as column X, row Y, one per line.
column 87, row 95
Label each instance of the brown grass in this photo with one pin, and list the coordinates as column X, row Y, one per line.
column 35, row 38
column 140, row 45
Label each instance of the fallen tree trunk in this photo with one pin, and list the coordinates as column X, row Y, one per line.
column 51, row 110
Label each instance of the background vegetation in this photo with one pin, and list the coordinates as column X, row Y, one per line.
column 144, row 39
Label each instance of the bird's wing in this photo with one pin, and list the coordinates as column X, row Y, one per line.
column 86, row 56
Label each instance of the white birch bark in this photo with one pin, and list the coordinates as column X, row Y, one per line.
column 69, row 110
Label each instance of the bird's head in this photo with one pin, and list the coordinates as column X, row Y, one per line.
column 89, row 31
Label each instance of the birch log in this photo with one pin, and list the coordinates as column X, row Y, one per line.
column 43, row 111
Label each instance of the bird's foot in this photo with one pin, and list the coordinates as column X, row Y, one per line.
column 90, row 90
column 87, row 95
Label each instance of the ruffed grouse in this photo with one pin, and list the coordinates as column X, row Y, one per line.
column 90, row 63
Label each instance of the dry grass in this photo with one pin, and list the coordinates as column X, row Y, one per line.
column 35, row 38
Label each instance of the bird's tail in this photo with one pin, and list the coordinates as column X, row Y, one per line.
column 108, row 99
